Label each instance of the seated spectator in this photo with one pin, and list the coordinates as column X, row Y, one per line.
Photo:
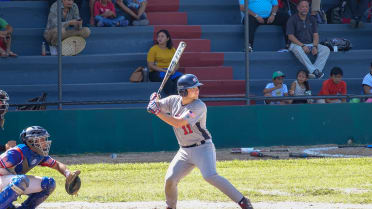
column 300, row 87
column 134, row 11
column 357, row 7
column 158, row 60
column 71, row 24
column 105, row 15
column 302, row 31
column 6, row 31
column 264, row 12
column 367, row 84
column 333, row 86
column 276, row 89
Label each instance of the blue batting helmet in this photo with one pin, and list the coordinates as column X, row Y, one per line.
column 185, row 82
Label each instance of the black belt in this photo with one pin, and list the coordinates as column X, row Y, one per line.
column 195, row 145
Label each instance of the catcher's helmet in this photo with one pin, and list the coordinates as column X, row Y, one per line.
column 33, row 137
column 185, row 82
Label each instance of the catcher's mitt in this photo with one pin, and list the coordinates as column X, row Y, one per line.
column 73, row 183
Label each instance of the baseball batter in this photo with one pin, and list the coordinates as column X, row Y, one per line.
column 187, row 114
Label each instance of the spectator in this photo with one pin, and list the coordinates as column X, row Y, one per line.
column 357, row 7
column 71, row 24
column 300, row 87
column 264, row 12
column 105, row 15
column 333, row 86
column 315, row 7
column 6, row 31
column 158, row 60
column 276, row 89
column 134, row 11
column 367, row 84
column 302, row 31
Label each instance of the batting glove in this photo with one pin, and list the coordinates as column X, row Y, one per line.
column 154, row 96
column 153, row 107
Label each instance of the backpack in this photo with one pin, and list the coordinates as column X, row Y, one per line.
column 341, row 43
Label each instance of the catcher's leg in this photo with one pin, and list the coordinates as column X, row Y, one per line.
column 34, row 199
column 17, row 187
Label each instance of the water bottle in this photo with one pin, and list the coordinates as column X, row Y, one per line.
column 43, row 49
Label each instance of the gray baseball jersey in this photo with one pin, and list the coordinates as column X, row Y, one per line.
column 196, row 115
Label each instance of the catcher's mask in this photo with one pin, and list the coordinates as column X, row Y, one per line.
column 36, row 138
column 4, row 98
column 187, row 81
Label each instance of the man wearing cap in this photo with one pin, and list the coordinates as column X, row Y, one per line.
column 276, row 89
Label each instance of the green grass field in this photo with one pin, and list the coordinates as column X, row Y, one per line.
column 314, row 180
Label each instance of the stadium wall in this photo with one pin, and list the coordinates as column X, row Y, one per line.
column 135, row 130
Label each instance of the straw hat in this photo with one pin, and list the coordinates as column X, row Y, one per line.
column 73, row 45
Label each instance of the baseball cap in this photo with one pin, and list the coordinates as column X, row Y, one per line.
column 278, row 74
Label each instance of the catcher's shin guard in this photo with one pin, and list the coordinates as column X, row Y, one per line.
column 47, row 185
column 16, row 188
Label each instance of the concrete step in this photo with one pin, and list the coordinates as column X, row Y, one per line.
column 210, row 73
column 201, row 59
column 167, row 18
column 194, row 45
column 180, row 31
column 355, row 63
column 162, row 6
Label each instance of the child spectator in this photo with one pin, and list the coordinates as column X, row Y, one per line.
column 6, row 39
column 276, row 89
column 300, row 87
column 134, row 11
column 105, row 15
column 367, row 84
column 333, row 86
column 158, row 60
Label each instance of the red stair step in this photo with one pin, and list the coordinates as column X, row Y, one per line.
column 222, row 87
column 194, row 45
column 210, row 73
column 167, row 18
column 201, row 59
column 180, row 31
column 228, row 103
column 162, row 6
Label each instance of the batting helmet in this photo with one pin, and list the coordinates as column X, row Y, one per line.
column 36, row 138
column 185, row 82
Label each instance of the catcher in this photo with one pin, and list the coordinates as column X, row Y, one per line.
column 17, row 161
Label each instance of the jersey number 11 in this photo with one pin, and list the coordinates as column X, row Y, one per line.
column 187, row 129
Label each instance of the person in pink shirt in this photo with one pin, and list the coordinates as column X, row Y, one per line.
column 105, row 15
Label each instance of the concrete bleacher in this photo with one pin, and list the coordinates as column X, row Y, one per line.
column 215, row 53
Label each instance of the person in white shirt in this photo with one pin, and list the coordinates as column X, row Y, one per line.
column 367, row 84
column 276, row 89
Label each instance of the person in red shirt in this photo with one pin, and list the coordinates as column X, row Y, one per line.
column 333, row 86
column 105, row 15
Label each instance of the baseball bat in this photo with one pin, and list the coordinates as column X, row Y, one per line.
column 260, row 154
column 303, row 155
column 172, row 65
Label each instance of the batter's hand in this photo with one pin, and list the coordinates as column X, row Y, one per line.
column 153, row 107
column 154, row 96
column 10, row 144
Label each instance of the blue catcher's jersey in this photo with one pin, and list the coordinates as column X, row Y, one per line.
column 21, row 159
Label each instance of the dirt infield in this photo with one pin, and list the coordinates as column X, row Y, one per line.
column 222, row 154
column 202, row 205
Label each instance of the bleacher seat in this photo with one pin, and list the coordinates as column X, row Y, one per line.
column 215, row 53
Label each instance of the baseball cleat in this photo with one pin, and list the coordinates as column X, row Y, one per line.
column 245, row 203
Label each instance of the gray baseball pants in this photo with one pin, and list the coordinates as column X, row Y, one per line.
column 321, row 59
column 204, row 158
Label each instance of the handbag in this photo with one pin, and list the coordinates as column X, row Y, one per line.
column 137, row 75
